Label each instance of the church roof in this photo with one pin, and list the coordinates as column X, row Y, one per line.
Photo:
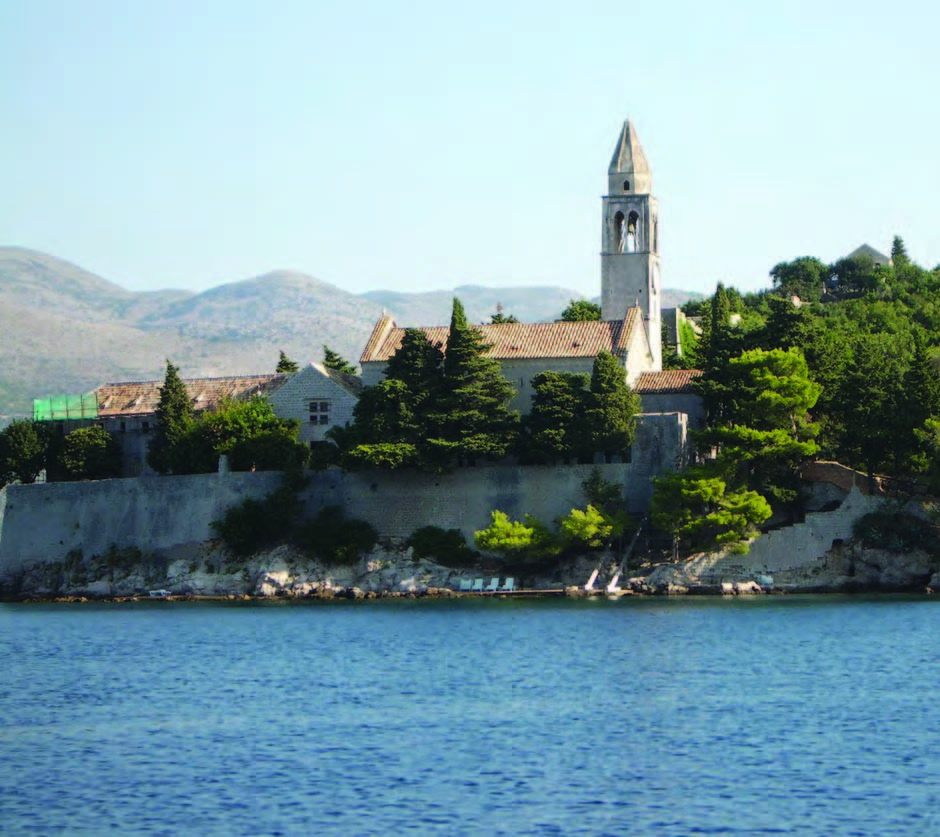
column 672, row 381
column 133, row 398
column 521, row 340
column 629, row 157
column 351, row 383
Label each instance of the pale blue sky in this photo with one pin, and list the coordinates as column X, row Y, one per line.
column 424, row 145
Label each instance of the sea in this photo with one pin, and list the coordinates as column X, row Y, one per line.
column 695, row 716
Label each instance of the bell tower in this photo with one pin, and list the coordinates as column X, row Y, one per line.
column 630, row 241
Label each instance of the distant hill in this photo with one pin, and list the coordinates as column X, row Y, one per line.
column 66, row 330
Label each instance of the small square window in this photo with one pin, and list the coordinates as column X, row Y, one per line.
column 324, row 406
column 324, row 419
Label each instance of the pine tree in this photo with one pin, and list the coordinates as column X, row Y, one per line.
column 581, row 311
column 336, row 362
column 285, row 366
column 921, row 401
column 612, row 407
column 471, row 417
column 718, row 344
column 899, row 257
column 174, row 418
column 499, row 318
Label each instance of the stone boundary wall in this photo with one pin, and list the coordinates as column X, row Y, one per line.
column 44, row 522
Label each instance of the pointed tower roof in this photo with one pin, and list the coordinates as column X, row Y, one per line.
column 629, row 164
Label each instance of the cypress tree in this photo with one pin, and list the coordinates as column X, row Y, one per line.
column 556, row 428
column 174, row 419
column 471, row 417
column 612, row 407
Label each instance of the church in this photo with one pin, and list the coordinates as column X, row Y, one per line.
column 631, row 320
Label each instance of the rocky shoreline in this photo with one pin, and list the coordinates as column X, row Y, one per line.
column 207, row 572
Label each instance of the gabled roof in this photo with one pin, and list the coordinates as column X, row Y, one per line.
column 870, row 252
column 142, row 397
column 510, row 341
column 351, row 383
column 672, row 381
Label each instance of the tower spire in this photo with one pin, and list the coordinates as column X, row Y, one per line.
column 629, row 171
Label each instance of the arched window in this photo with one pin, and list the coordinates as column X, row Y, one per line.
column 632, row 236
column 655, row 234
column 619, row 233
column 626, row 185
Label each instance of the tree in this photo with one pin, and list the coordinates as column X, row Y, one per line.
column 174, row 419
column 23, row 447
column 90, row 453
column 718, row 344
column 612, row 407
column 581, row 311
column 390, row 424
column 285, row 366
column 249, row 432
column 500, row 318
column 334, row 361
column 514, row 539
column 555, row 428
column 766, row 432
column 804, row 278
column 899, row 257
column 471, row 417
column 695, row 507
column 920, row 401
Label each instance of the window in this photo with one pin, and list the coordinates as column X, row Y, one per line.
column 626, row 185
column 145, row 427
column 319, row 412
column 123, row 426
column 619, row 230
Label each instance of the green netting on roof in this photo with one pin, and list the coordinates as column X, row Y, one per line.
column 63, row 407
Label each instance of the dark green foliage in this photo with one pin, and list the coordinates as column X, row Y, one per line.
column 336, row 539
column 23, row 446
column 471, row 418
column 601, row 493
column 254, row 524
column 580, row 311
column 499, row 317
column 899, row 257
column 174, row 420
column 556, row 427
column 612, row 407
column 90, row 453
column 334, row 361
column 896, row 531
column 285, row 366
column 804, row 278
column 718, row 344
column 248, row 432
column 445, row 546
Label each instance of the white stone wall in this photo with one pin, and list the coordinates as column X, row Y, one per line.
column 292, row 401
column 44, row 522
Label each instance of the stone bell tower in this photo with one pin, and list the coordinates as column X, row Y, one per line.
column 630, row 241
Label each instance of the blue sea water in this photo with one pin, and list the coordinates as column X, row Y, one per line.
column 775, row 715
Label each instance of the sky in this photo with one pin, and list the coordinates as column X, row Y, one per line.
column 419, row 146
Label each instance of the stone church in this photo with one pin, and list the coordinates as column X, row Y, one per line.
column 630, row 326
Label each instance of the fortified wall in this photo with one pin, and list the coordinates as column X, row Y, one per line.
column 41, row 523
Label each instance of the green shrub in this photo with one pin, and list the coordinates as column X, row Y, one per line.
column 896, row 531
column 446, row 546
column 90, row 453
column 523, row 540
column 254, row 524
column 333, row 538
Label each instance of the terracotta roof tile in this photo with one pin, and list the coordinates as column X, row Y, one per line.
column 142, row 397
column 677, row 381
column 522, row 340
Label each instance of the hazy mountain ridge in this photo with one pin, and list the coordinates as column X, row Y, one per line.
column 67, row 330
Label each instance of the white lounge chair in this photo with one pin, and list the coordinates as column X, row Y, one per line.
column 465, row 584
column 477, row 585
column 508, row 585
column 493, row 586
